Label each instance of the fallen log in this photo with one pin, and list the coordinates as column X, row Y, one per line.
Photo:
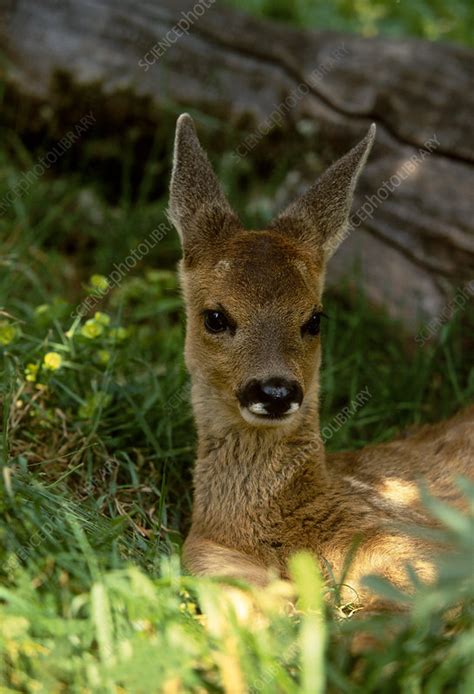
column 414, row 209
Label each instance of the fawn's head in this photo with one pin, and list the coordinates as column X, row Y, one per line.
column 254, row 298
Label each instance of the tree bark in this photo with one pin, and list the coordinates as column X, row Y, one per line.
column 416, row 244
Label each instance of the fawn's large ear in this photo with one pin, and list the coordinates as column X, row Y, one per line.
column 321, row 215
column 198, row 207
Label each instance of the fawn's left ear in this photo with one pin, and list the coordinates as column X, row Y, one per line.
column 321, row 215
column 198, row 207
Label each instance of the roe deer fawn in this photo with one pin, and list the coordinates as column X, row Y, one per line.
column 264, row 487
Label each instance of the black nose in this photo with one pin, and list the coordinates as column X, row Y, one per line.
column 274, row 397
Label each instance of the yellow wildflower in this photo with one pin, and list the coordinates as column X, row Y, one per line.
column 92, row 329
column 119, row 333
column 31, row 372
column 8, row 332
column 52, row 361
column 99, row 282
column 102, row 318
column 103, row 356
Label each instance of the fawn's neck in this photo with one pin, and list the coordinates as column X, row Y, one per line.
column 244, row 473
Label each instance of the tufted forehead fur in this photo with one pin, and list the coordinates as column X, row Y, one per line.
column 260, row 268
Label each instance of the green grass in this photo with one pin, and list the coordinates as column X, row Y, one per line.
column 429, row 19
column 97, row 453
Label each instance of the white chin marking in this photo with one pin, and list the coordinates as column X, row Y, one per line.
column 257, row 408
column 256, row 411
column 294, row 407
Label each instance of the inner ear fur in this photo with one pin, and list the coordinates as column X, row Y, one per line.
column 321, row 215
column 198, row 207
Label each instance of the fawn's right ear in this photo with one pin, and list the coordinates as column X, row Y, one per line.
column 198, row 207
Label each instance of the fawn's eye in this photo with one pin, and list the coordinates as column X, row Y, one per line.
column 313, row 325
column 216, row 321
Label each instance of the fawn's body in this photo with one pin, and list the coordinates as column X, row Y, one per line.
column 278, row 497
column 264, row 487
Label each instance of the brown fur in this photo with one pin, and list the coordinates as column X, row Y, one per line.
column 264, row 492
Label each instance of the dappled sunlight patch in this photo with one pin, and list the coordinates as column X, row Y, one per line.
column 399, row 491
